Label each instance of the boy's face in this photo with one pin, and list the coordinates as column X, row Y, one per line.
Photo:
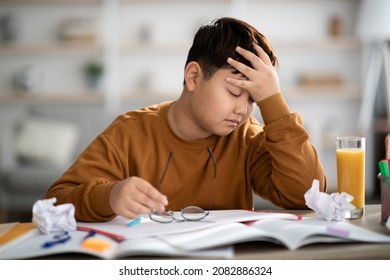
column 219, row 107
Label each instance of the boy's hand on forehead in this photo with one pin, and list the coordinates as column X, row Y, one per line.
column 262, row 78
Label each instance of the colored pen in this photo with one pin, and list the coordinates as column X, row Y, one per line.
column 51, row 243
column 90, row 234
column 384, row 168
column 135, row 222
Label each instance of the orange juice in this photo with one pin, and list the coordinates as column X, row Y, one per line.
column 350, row 174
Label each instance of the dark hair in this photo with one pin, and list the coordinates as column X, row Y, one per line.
column 217, row 40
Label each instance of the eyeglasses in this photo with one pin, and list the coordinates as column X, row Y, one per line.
column 189, row 213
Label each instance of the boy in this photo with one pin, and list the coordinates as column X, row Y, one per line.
column 205, row 148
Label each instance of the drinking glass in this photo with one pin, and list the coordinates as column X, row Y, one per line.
column 350, row 154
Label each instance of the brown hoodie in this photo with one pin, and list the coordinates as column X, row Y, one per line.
column 276, row 160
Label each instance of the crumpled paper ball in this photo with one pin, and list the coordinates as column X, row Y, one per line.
column 330, row 207
column 49, row 218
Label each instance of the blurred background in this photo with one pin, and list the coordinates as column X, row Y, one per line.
column 69, row 67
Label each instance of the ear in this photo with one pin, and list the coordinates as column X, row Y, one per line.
column 192, row 73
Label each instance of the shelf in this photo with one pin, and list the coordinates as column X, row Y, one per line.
column 49, row 2
column 149, row 95
column 82, row 2
column 336, row 92
column 45, row 98
column 83, row 97
column 143, row 2
column 51, row 48
column 155, row 47
column 340, row 43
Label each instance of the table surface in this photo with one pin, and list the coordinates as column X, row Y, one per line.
column 366, row 251
column 324, row 251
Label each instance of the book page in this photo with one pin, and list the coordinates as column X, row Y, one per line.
column 150, row 246
column 149, row 228
column 220, row 235
column 288, row 233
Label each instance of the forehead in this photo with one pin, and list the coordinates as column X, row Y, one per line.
column 229, row 72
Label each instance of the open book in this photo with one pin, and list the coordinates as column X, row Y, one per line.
column 288, row 233
column 211, row 237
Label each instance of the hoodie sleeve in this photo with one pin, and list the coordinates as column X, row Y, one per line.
column 284, row 163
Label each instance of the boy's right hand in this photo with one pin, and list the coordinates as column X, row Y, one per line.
column 134, row 196
column 262, row 78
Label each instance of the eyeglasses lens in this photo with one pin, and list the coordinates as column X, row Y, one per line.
column 193, row 213
column 161, row 216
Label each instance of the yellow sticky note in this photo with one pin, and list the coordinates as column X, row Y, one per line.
column 96, row 244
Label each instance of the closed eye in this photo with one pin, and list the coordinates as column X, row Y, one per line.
column 234, row 94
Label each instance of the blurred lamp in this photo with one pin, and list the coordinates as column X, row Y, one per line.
column 373, row 27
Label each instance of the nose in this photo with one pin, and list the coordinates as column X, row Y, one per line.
column 241, row 106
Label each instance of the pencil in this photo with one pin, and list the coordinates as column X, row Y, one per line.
column 387, row 145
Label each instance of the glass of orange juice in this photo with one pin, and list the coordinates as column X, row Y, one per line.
column 350, row 154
